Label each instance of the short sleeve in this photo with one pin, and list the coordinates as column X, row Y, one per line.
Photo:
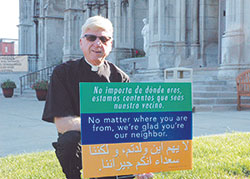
column 58, row 102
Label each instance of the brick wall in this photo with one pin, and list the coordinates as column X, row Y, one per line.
column 6, row 48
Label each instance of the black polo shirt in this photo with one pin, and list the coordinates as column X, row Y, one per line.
column 63, row 93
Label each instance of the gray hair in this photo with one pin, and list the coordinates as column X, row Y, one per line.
column 97, row 22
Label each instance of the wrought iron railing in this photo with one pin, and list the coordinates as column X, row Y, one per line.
column 27, row 80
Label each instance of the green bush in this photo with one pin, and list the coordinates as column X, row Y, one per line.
column 8, row 84
column 40, row 85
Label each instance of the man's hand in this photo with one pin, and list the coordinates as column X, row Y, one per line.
column 145, row 176
column 70, row 123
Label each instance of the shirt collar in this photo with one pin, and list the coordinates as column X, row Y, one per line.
column 93, row 67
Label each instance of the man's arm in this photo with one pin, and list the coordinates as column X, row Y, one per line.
column 69, row 123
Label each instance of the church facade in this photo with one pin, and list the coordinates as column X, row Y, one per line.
column 182, row 33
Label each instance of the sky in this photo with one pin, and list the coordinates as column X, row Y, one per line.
column 9, row 18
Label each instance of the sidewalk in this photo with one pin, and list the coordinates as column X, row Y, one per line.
column 23, row 131
column 21, row 127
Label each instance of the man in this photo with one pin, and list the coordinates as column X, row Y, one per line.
column 62, row 103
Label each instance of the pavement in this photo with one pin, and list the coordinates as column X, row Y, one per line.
column 23, row 131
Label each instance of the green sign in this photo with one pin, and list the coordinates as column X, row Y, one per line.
column 135, row 97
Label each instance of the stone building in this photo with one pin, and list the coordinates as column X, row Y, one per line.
column 190, row 33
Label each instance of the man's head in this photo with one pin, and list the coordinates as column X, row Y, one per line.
column 96, row 39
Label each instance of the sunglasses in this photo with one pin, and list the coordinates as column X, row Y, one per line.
column 92, row 38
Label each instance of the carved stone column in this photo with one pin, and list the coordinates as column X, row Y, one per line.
column 195, row 30
column 26, row 28
column 155, row 34
column 51, row 32
column 122, row 17
column 180, row 36
column 74, row 18
column 233, row 58
column 167, row 33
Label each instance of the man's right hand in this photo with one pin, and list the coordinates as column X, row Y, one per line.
column 70, row 123
column 145, row 176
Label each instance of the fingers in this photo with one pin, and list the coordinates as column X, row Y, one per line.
column 145, row 176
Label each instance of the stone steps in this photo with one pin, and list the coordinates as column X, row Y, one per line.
column 213, row 88
column 214, row 95
column 209, row 93
column 210, row 82
column 219, row 101
column 222, row 107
